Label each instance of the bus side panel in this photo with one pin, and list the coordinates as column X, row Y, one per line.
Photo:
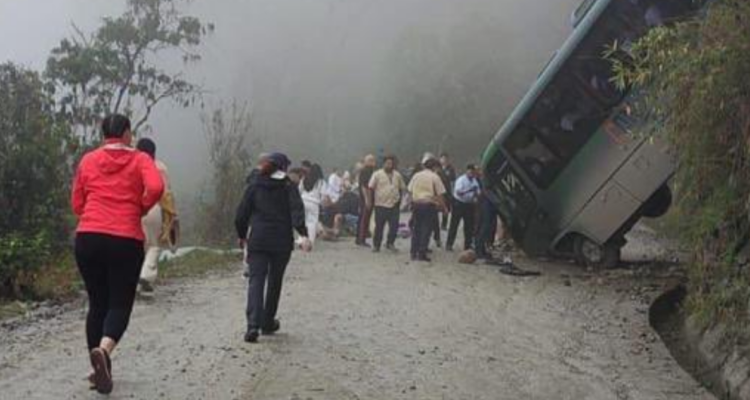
column 587, row 173
column 606, row 213
column 643, row 173
column 647, row 170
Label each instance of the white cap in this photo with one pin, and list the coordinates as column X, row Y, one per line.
column 427, row 157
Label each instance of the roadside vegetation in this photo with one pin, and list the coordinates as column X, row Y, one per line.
column 198, row 263
column 695, row 77
column 34, row 228
column 226, row 129
column 49, row 118
column 61, row 283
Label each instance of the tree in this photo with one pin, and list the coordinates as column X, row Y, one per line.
column 33, row 177
column 226, row 130
column 115, row 69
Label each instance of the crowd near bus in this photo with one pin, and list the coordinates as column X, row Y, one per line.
column 378, row 201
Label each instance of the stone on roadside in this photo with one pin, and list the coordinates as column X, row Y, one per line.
column 467, row 257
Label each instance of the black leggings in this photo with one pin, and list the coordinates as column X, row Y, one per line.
column 111, row 267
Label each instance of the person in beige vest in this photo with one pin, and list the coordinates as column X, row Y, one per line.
column 160, row 225
column 427, row 195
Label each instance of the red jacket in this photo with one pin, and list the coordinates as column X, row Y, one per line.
column 114, row 188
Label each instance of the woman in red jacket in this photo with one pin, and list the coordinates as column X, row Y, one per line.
column 114, row 187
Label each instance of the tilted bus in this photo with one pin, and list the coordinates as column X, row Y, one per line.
column 568, row 171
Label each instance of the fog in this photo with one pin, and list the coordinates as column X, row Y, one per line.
column 331, row 80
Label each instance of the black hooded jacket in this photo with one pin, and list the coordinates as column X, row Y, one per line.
column 270, row 209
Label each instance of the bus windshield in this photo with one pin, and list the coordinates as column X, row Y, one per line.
column 581, row 96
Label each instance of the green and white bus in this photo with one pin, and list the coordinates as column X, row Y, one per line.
column 567, row 172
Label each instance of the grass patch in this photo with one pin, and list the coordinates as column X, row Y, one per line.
column 198, row 263
column 54, row 280
column 58, row 281
column 12, row 309
column 61, row 282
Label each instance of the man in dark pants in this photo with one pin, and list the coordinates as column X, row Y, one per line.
column 271, row 207
column 387, row 186
column 436, row 229
column 449, row 177
column 365, row 200
column 487, row 228
column 427, row 192
column 465, row 200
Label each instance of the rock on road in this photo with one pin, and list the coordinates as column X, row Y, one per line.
column 357, row 325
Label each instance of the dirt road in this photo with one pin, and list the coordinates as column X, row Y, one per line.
column 363, row 326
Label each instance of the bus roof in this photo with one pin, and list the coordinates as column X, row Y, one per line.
column 551, row 70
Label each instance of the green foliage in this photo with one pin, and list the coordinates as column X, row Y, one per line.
column 694, row 76
column 33, row 177
column 44, row 124
column 226, row 130
column 20, row 256
column 115, row 68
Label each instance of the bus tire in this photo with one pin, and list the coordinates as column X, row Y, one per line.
column 659, row 203
column 592, row 255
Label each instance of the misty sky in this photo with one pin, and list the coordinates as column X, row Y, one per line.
column 323, row 77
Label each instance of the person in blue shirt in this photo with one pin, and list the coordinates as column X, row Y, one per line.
column 465, row 199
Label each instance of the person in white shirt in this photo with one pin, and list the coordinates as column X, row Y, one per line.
column 160, row 224
column 314, row 192
column 335, row 186
column 465, row 199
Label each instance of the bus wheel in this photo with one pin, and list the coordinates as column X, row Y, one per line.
column 590, row 254
column 659, row 202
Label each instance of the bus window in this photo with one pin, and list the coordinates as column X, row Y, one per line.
column 557, row 127
column 656, row 13
column 535, row 157
column 595, row 79
column 582, row 95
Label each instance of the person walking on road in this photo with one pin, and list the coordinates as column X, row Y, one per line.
column 160, row 225
column 365, row 200
column 387, row 186
column 114, row 187
column 270, row 210
column 465, row 199
column 427, row 193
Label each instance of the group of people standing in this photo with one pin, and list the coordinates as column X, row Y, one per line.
column 433, row 188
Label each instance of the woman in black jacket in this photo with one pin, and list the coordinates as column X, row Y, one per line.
column 271, row 208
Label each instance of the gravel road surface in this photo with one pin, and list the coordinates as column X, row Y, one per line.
column 358, row 325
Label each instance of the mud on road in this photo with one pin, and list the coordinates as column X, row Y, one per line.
column 362, row 326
